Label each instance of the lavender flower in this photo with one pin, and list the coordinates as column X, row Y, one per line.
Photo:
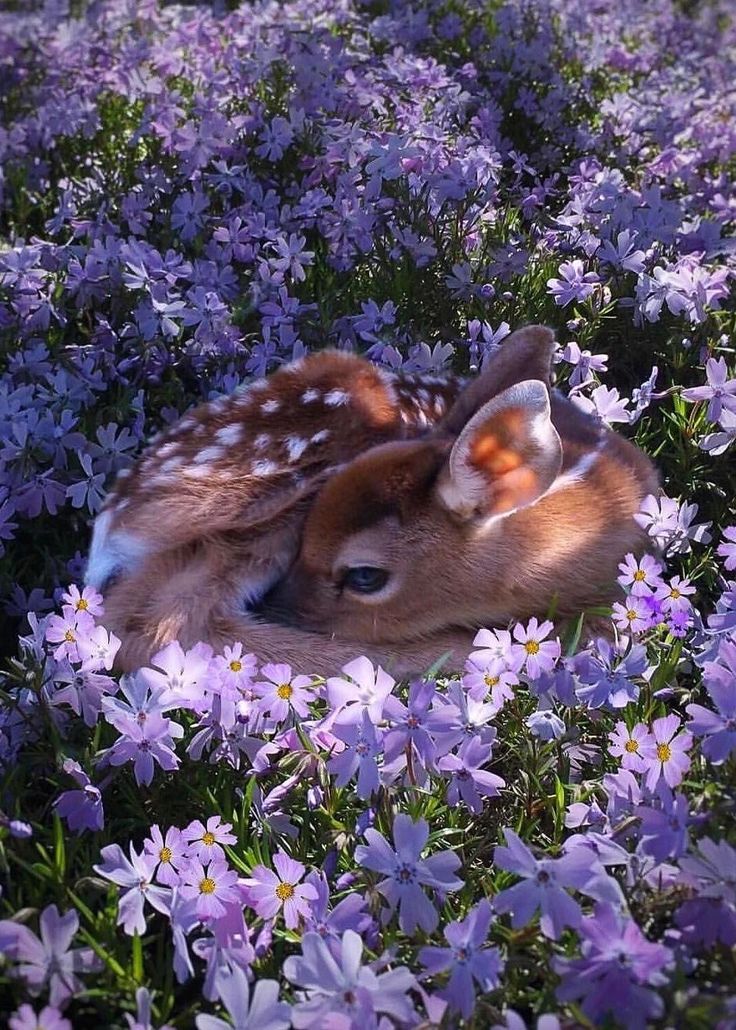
column 469, row 958
column 49, row 1018
column 665, row 753
column 135, row 876
column 543, row 886
column 262, row 1011
column 269, row 892
column 339, row 991
column 617, row 971
column 405, row 871
column 47, row 961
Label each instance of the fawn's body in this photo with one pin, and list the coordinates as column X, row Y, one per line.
column 210, row 516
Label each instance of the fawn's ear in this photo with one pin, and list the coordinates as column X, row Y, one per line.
column 526, row 354
column 505, row 458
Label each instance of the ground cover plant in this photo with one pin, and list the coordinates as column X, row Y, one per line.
column 192, row 195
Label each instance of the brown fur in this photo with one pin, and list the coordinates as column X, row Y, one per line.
column 213, row 540
column 449, row 564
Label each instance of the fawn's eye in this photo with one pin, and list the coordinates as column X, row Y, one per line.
column 365, row 579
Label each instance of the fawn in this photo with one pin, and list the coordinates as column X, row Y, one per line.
column 516, row 502
column 210, row 517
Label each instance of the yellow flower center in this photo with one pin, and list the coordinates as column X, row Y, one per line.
column 284, row 891
column 82, row 605
column 207, row 886
column 631, row 746
column 639, row 576
column 632, row 614
column 208, row 838
column 165, row 854
column 284, row 691
column 664, row 752
column 235, row 665
column 491, row 681
column 531, row 647
column 69, row 637
column 675, row 593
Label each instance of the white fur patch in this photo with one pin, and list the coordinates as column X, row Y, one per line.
column 321, row 436
column 262, row 441
column 310, row 395
column 268, row 407
column 264, row 468
column 336, row 398
column 295, row 447
column 198, row 471
column 578, row 471
column 111, row 552
column 172, row 463
column 230, row 434
column 208, row 454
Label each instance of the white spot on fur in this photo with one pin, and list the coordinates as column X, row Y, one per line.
column 262, row 441
column 321, row 436
column 268, row 407
column 124, row 473
column 310, row 395
column 230, row 434
column 172, row 463
column 197, row 471
column 336, row 398
column 208, row 454
column 295, row 447
column 264, row 468
column 167, row 448
column 185, row 424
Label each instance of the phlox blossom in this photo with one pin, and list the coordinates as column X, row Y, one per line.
column 269, row 892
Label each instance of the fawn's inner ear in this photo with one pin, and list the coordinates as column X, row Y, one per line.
column 506, row 457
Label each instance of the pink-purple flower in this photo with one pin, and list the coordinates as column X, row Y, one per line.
column 271, row 892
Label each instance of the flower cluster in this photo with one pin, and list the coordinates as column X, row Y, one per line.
column 192, row 195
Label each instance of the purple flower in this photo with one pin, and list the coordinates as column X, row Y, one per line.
column 363, row 747
column 261, row 1011
column 66, row 629
column 727, row 550
column 545, row 723
column 405, row 871
column 211, row 887
column 469, row 957
column 585, row 363
column 617, row 969
column 142, row 744
column 82, row 809
column 282, row 692
column 642, row 575
column 47, row 961
column 135, row 875
column 626, row 744
column 574, row 283
column 170, row 852
column 340, row 992
column 206, row 842
column 543, row 885
column 330, row 923
column 467, row 779
column 711, row 915
column 49, row 1018
column 368, row 691
column 665, row 753
column 720, row 391
column 718, row 728
column 663, row 829
column 539, row 655
column 269, row 892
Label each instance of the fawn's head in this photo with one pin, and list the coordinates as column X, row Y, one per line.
column 516, row 498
